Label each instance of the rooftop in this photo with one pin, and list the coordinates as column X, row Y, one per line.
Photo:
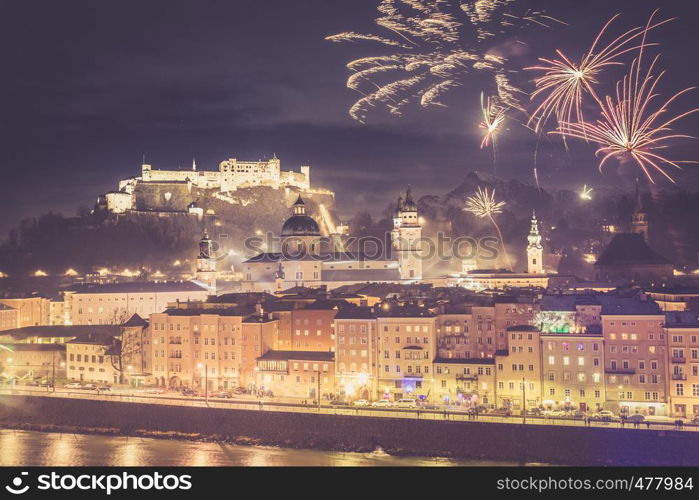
column 682, row 319
column 77, row 331
column 33, row 347
column 136, row 321
column 137, row 287
column 355, row 313
column 223, row 311
column 321, row 257
column 629, row 249
column 522, row 328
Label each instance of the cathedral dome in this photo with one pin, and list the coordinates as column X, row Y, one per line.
column 300, row 224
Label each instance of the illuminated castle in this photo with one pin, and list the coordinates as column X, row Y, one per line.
column 231, row 176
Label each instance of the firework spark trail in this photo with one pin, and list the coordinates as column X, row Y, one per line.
column 629, row 128
column 565, row 83
column 483, row 204
column 433, row 45
column 493, row 118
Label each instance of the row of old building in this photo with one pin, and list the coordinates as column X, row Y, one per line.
column 584, row 351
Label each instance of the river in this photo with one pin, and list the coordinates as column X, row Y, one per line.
column 30, row 448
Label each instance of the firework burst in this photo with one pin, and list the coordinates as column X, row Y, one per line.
column 493, row 118
column 586, row 193
column 633, row 126
column 483, row 204
column 432, row 45
column 565, row 82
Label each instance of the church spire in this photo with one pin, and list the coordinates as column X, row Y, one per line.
column 639, row 219
column 535, row 250
column 194, row 164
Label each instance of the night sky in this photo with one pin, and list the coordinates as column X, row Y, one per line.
column 90, row 87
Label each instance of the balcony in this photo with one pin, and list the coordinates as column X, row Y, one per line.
column 471, row 378
column 679, row 360
column 679, row 376
column 620, row 371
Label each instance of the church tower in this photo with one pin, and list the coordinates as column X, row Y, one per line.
column 639, row 220
column 206, row 263
column 535, row 251
column 300, row 232
column 405, row 238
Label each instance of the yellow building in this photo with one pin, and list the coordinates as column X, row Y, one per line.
column 32, row 311
column 518, row 375
column 682, row 330
column 297, row 374
column 356, row 352
column 407, row 349
column 467, row 382
column 573, row 371
column 635, row 356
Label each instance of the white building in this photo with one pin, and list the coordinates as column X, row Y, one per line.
column 113, row 303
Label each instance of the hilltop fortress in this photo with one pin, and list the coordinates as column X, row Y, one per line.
column 174, row 190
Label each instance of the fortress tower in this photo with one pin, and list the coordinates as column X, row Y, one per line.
column 535, row 251
column 405, row 238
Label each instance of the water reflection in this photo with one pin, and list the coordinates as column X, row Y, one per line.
column 26, row 448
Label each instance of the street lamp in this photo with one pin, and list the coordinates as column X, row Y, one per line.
column 206, row 381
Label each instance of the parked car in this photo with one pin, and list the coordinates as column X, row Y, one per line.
column 695, row 420
column 636, row 417
column 186, row 391
column 105, row 387
column 32, row 383
column 339, row 402
column 46, row 383
column 533, row 412
column 502, row 412
column 603, row 416
column 224, row 394
column 90, row 387
column 73, row 385
column 361, row 402
column 239, row 390
column 382, row 403
column 406, row 403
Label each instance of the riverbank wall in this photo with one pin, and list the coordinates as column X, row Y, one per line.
column 551, row 444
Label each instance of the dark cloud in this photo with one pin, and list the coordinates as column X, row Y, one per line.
column 89, row 87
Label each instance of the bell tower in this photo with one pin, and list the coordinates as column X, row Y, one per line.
column 206, row 263
column 405, row 238
column 639, row 219
column 535, row 251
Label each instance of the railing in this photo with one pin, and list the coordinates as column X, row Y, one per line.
column 679, row 360
column 679, row 376
column 255, row 404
